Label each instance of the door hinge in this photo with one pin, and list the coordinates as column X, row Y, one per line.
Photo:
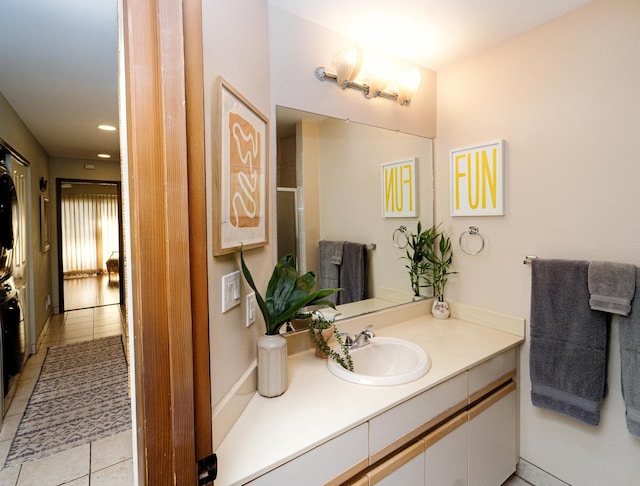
column 207, row 469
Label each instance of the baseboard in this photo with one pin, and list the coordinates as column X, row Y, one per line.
column 533, row 474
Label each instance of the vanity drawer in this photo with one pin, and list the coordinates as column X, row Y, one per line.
column 492, row 373
column 410, row 419
column 330, row 463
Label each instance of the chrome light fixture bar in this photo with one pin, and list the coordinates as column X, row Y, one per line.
column 349, row 62
column 324, row 75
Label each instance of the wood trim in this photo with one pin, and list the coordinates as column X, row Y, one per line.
column 363, row 481
column 396, row 462
column 196, row 170
column 380, row 454
column 491, row 400
column 491, row 386
column 161, row 305
column 349, row 473
column 445, row 429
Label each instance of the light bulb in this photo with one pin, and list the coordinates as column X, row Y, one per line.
column 348, row 62
column 408, row 84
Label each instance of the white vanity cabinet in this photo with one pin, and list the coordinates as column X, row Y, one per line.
column 446, row 453
column 492, row 438
column 407, row 421
column 406, row 468
column 464, row 431
column 454, row 426
column 329, row 463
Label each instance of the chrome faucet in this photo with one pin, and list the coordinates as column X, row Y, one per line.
column 359, row 340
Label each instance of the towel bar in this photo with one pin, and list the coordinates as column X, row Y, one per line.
column 528, row 258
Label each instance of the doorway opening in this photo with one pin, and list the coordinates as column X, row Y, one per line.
column 90, row 250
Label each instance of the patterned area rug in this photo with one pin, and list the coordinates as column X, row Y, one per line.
column 82, row 395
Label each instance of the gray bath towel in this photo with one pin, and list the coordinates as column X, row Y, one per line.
column 330, row 256
column 630, row 362
column 568, row 357
column 611, row 286
column 353, row 273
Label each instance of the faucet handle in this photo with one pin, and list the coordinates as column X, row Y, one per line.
column 368, row 332
column 348, row 340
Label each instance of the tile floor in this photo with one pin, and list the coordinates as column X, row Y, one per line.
column 100, row 463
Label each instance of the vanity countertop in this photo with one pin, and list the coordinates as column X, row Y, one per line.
column 318, row 406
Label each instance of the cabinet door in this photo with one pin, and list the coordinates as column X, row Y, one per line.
column 407, row 421
column 405, row 468
column 491, row 374
column 446, row 454
column 330, row 463
column 492, row 438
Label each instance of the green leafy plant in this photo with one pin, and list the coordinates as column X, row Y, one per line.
column 316, row 327
column 440, row 257
column 419, row 246
column 287, row 293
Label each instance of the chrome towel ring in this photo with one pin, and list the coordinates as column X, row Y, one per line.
column 399, row 235
column 472, row 231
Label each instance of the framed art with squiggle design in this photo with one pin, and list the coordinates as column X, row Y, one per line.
column 240, row 181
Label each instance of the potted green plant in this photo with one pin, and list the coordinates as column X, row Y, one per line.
column 440, row 257
column 419, row 246
column 287, row 292
column 321, row 331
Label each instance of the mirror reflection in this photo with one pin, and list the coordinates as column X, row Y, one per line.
column 330, row 205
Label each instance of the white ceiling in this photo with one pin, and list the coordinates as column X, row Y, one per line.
column 58, row 70
column 58, row 58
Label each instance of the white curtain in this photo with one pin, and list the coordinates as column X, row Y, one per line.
column 89, row 232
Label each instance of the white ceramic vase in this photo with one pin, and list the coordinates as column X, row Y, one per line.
column 272, row 365
column 440, row 309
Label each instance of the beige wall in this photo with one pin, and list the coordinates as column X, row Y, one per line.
column 64, row 168
column 236, row 47
column 14, row 132
column 565, row 97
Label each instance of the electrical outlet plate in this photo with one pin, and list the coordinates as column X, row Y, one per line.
column 230, row 291
column 250, row 316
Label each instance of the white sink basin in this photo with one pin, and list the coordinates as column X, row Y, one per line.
column 384, row 361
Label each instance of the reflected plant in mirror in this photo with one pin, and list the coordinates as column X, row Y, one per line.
column 419, row 251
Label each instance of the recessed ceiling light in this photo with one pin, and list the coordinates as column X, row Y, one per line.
column 107, row 128
column 104, row 156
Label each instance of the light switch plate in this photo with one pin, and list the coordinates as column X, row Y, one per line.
column 230, row 290
column 250, row 316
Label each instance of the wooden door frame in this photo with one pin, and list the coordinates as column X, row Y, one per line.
column 169, row 307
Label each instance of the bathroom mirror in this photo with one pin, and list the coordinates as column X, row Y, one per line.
column 329, row 180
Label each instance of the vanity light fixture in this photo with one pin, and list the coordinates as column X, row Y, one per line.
column 104, row 156
column 107, row 128
column 349, row 63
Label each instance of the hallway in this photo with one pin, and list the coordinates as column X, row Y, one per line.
column 105, row 462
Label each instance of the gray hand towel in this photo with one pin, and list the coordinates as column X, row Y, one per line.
column 611, row 286
column 330, row 252
column 630, row 362
column 353, row 273
column 568, row 357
